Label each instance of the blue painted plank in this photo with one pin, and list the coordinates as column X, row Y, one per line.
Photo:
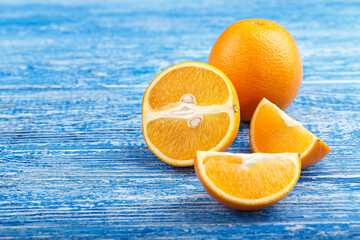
column 73, row 160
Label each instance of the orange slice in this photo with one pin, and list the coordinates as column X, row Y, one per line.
column 273, row 131
column 188, row 107
column 247, row 181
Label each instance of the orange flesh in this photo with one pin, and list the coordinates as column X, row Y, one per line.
column 273, row 135
column 257, row 180
column 206, row 86
column 171, row 133
column 183, row 141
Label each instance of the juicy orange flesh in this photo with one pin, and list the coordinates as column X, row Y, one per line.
column 207, row 87
column 273, row 135
column 249, row 181
column 175, row 139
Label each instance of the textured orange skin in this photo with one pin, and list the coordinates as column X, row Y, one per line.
column 230, row 204
column 262, row 60
column 319, row 151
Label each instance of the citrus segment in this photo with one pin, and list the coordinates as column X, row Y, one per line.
column 186, row 142
column 188, row 107
column 273, row 131
column 183, row 84
column 247, row 181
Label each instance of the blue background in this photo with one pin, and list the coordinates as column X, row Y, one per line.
column 73, row 162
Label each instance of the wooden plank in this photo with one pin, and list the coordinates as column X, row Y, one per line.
column 73, row 160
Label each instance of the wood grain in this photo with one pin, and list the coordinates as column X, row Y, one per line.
column 73, row 160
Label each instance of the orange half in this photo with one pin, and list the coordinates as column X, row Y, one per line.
column 247, row 181
column 188, row 107
column 273, row 131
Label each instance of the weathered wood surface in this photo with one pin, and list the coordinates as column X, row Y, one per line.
column 73, row 160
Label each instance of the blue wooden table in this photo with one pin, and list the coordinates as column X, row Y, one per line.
column 73, row 162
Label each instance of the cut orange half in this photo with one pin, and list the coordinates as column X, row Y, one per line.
column 247, row 181
column 273, row 131
column 188, row 107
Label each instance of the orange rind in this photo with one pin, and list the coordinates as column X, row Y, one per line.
column 188, row 107
column 273, row 131
column 247, row 181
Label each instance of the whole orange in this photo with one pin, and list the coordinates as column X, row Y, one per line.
column 262, row 60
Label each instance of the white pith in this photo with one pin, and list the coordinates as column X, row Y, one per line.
column 248, row 161
column 290, row 122
column 187, row 109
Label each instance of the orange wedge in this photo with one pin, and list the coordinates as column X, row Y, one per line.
column 189, row 107
column 247, row 181
column 273, row 131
